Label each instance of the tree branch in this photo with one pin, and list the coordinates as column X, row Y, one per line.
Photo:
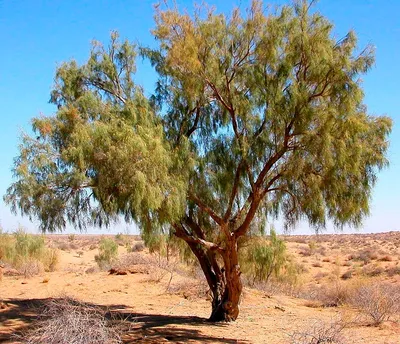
column 181, row 232
column 206, row 208
column 234, row 191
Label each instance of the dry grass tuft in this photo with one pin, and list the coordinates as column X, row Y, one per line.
column 319, row 332
column 66, row 321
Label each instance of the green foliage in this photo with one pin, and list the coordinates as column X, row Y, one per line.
column 262, row 259
column 22, row 250
column 119, row 237
column 281, row 109
column 27, row 245
column 108, row 251
column 103, row 154
column 7, row 249
column 269, row 101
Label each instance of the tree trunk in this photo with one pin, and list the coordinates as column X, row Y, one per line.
column 228, row 291
column 224, row 282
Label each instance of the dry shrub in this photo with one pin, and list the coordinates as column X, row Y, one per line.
column 130, row 260
column 364, row 256
column 137, row 247
column 64, row 246
column 378, row 301
column 155, row 266
column 347, row 275
column 92, row 247
column 393, row 270
column 386, row 258
column 319, row 332
column 334, row 294
column 51, row 259
column 372, row 271
column 306, row 252
column 30, row 267
column 66, row 321
column 162, row 267
column 73, row 246
column 92, row 270
column 190, row 289
column 320, row 275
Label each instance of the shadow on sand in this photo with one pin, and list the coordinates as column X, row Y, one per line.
column 20, row 315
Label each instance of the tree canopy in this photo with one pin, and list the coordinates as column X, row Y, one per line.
column 254, row 115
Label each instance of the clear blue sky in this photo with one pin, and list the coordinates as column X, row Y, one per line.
column 37, row 35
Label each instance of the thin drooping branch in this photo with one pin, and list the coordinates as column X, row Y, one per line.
column 291, row 194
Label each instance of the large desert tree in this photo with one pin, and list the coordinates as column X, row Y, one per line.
column 254, row 115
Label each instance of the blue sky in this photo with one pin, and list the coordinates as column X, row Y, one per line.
column 36, row 36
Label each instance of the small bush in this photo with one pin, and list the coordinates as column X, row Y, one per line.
column 319, row 332
column 27, row 253
column 92, row 270
column 108, row 251
column 64, row 246
column 137, row 247
column 347, row 275
column 364, row 256
column 372, row 271
column 31, row 267
column 377, row 301
column 119, row 237
column 261, row 260
column 306, row 252
column 66, row 321
column 334, row 294
column 386, row 258
column 393, row 270
column 51, row 259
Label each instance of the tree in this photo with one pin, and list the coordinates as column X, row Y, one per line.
column 254, row 115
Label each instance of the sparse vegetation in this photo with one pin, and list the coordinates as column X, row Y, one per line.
column 66, row 321
column 319, row 332
column 108, row 251
column 137, row 247
column 27, row 253
column 332, row 285
column 378, row 301
column 262, row 258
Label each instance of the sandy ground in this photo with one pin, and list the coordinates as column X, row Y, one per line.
column 156, row 316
